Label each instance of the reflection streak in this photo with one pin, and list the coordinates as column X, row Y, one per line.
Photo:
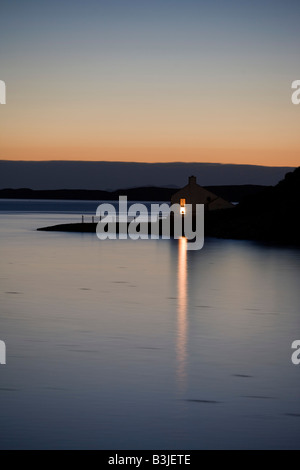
column 181, row 347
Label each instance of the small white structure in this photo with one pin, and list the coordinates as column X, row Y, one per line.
column 194, row 194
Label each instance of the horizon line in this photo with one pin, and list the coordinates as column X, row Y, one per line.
column 148, row 163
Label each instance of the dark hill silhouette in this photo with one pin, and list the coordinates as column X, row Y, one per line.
column 230, row 193
column 110, row 176
column 270, row 215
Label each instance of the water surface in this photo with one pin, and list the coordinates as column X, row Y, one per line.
column 141, row 344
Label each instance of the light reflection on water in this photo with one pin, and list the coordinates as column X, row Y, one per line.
column 182, row 315
column 124, row 344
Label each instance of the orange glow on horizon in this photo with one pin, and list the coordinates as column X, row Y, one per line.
column 262, row 157
column 207, row 91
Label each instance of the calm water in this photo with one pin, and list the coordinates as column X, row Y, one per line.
column 141, row 344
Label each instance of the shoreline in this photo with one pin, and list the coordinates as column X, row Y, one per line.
column 210, row 232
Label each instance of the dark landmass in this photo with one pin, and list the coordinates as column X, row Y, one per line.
column 229, row 193
column 110, row 176
column 72, row 228
column 270, row 215
column 145, row 227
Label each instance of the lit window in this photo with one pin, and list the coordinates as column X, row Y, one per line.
column 182, row 206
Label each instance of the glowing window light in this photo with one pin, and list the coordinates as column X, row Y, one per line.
column 182, row 207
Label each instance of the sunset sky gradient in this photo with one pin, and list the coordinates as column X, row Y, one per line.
column 154, row 81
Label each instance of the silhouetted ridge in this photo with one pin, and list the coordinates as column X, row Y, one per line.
column 152, row 193
column 270, row 215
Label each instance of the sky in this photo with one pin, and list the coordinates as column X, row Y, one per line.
column 150, row 81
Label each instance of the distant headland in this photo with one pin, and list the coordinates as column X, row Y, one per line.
column 268, row 215
column 148, row 193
